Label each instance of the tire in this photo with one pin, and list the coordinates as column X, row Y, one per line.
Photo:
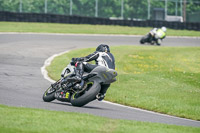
column 92, row 90
column 49, row 94
column 144, row 39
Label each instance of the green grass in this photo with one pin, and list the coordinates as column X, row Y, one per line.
column 161, row 79
column 85, row 29
column 168, row 88
column 26, row 120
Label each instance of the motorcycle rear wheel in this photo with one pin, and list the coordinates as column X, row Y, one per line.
column 89, row 94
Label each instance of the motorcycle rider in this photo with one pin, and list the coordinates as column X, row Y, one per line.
column 102, row 57
column 158, row 34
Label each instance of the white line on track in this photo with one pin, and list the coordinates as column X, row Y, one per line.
column 47, row 63
column 113, row 35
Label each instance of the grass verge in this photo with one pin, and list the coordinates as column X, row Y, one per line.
column 85, row 29
column 161, row 79
column 23, row 120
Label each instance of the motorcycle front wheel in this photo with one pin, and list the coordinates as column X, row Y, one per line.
column 144, row 39
column 49, row 94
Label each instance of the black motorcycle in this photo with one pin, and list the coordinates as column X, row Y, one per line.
column 79, row 93
column 150, row 39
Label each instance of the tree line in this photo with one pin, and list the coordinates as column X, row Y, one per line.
column 128, row 9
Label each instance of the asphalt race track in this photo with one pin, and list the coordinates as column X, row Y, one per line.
column 22, row 84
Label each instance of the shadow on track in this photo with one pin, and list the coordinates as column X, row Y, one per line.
column 86, row 106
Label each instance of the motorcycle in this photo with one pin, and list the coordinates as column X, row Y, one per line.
column 79, row 94
column 150, row 38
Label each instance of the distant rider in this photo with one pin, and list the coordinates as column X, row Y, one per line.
column 102, row 57
column 158, row 34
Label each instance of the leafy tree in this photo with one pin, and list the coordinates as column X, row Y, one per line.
column 9, row 5
column 84, row 7
column 58, row 6
column 134, row 9
column 109, row 8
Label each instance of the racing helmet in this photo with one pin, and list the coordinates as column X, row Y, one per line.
column 103, row 48
column 164, row 29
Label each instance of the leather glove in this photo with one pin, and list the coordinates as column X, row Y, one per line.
column 74, row 60
column 79, row 59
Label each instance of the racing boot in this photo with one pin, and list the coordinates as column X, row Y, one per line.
column 158, row 42
column 79, row 72
column 100, row 96
column 76, row 78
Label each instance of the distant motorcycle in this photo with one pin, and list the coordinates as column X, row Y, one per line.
column 150, row 39
column 79, row 94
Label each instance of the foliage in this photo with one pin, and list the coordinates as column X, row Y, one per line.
column 136, row 9
column 26, row 120
column 162, row 79
column 85, row 29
